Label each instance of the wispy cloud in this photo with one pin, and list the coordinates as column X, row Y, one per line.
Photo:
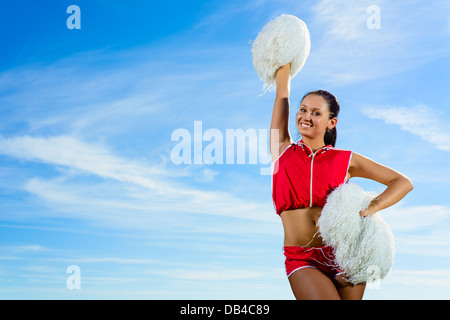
column 430, row 277
column 412, row 218
column 26, row 248
column 106, row 260
column 420, row 120
column 344, row 50
column 419, row 230
column 70, row 152
column 209, row 273
column 436, row 244
column 80, row 116
column 153, row 191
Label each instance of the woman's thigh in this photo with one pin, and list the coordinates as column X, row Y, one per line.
column 347, row 290
column 312, row 284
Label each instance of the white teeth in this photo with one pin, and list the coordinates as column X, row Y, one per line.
column 305, row 125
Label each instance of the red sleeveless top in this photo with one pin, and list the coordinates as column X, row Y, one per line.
column 301, row 178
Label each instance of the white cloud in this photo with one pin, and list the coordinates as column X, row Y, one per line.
column 108, row 260
column 27, row 248
column 344, row 50
column 203, row 273
column 415, row 217
column 430, row 277
column 70, row 152
column 420, row 230
column 345, row 22
column 206, row 175
column 420, row 120
column 127, row 206
column 436, row 244
column 152, row 191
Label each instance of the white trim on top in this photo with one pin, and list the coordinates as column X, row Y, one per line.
column 282, row 153
column 348, row 166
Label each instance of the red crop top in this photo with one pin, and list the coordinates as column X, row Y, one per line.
column 301, row 178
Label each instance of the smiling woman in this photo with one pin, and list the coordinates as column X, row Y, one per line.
column 314, row 105
column 307, row 172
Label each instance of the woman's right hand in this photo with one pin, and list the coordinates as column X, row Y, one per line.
column 283, row 81
column 286, row 66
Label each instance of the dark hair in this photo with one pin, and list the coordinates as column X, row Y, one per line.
column 333, row 107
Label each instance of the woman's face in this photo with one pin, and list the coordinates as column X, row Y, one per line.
column 313, row 117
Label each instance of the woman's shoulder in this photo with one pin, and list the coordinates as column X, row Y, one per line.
column 342, row 151
column 344, row 155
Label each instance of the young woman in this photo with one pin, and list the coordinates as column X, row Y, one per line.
column 304, row 174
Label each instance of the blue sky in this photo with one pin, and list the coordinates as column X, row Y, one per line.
column 87, row 116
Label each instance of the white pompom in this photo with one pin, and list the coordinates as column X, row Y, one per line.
column 283, row 40
column 364, row 247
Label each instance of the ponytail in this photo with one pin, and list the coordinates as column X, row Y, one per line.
column 330, row 137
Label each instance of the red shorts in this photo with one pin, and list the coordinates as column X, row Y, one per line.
column 321, row 258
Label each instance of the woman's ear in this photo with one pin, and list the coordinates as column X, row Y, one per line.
column 332, row 123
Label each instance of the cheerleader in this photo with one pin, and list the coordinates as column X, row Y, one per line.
column 304, row 174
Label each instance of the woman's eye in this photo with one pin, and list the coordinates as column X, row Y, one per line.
column 316, row 113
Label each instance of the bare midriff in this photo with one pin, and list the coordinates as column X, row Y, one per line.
column 300, row 227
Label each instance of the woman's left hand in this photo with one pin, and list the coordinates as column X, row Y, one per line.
column 366, row 213
column 370, row 210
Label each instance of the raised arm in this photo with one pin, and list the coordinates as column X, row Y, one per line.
column 280, row 115
column 398, row 185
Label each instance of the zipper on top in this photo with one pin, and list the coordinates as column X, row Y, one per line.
column 312, row 155
column 311, row 179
